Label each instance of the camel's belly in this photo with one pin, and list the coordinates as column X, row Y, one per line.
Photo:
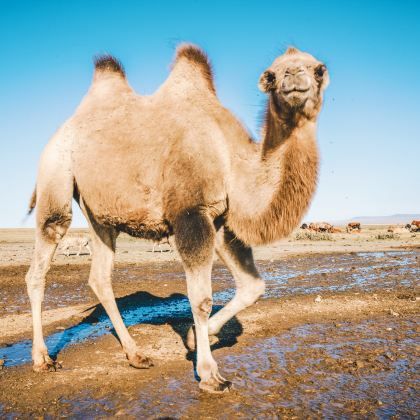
column 134, row 210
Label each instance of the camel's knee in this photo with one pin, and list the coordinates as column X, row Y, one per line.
column 202, row 308
column 250, row 292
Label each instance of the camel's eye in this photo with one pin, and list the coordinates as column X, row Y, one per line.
column 319, row 71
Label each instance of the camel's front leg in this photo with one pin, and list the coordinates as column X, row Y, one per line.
column 249, row 285
column 103, row 241
column 194, row 235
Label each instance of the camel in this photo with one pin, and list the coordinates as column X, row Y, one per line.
column 353, row 227
column 158, row 244
column 74, row 241
column 321, row 227
column 414, row 226
column 177, row 163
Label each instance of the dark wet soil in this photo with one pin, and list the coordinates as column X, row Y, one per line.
column 68, row 284
column 349, row 369
column 367, row 369
column 328, row 359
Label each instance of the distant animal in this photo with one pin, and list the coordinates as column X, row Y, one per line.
column 179, row 163
column 353, row 226
column 304, row 226
column 159, row 244
column 414, row 226
column 73, row 241
column 321, row 227
column 325, row 227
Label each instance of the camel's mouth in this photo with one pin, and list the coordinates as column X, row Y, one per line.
column 295, row 96
column 295, row 90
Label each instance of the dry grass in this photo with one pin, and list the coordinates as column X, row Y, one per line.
column 306, row 235
column 387, row 235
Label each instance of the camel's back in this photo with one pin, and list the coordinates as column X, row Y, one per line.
column 138, row 160
column 142, row 158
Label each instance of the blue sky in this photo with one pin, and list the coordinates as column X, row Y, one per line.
column 369, row 127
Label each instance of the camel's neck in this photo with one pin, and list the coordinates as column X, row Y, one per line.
column 274, row 192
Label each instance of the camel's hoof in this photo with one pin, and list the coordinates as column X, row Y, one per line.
column 140, row 362
column 214, row 387
column 48, row 365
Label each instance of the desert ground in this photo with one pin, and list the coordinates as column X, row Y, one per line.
column 336, row 334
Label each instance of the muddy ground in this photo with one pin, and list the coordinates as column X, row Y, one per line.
column 336, row 335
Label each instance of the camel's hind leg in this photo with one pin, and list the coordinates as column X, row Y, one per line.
column 103, row 247
column 50, row 229
column 54, row 194
column 249, row 285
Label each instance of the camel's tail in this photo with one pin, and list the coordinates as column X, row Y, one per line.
column 32, row 203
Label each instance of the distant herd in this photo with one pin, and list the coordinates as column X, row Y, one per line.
column 354, row 227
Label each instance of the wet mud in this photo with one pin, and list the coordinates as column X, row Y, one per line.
column 367, row 368
column 335, row 334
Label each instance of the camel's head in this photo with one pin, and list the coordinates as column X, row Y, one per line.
column 296, row 80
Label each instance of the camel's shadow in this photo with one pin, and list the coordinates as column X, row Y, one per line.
column 146, row 308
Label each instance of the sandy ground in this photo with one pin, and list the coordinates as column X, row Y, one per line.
column 16, row 246
column 336, row 334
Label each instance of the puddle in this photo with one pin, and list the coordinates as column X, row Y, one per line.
column 339, row 273
column 156, row 311
column 319, row 274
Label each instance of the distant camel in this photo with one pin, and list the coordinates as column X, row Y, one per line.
column 353, row 226
column 321, row 227
column 158, row 244
column 414, row 226
column 74, row 241
column 179, row 163
column 313, row 226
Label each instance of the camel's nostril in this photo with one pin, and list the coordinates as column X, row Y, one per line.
column 293, row 71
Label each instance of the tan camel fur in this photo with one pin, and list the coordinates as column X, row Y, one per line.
column 178, row 163
column 74, row 241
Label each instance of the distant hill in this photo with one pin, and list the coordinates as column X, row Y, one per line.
column 381, row 220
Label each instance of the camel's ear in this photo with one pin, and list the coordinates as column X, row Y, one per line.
column 267, row 81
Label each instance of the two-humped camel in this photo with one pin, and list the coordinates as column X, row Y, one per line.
column 178, row 163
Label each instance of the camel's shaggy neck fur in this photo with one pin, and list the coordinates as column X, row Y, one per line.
column 285, row 180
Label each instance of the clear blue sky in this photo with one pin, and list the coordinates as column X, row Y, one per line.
column 369, row 127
